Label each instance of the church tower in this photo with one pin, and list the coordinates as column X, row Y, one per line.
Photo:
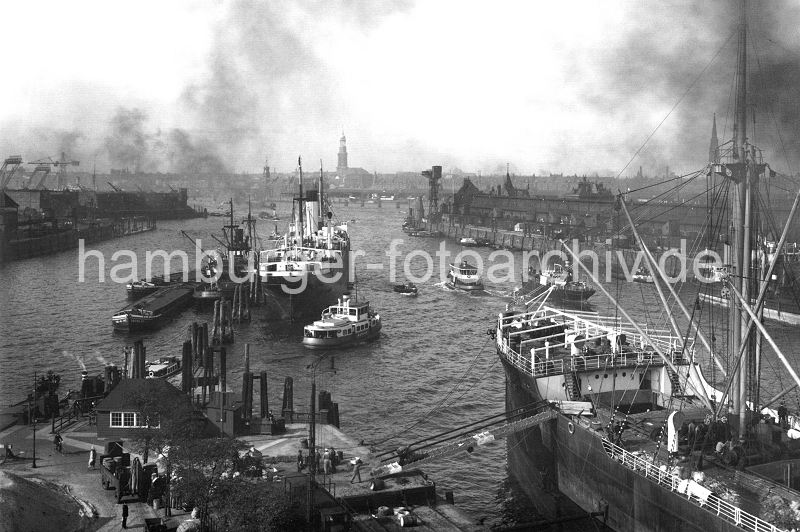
column 341, row 164
column 713, row 149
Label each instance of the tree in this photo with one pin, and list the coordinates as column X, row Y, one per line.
column 166, row 421
column 248, row 505
column 201, row 467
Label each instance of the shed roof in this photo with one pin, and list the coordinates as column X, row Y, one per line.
column 124, row 395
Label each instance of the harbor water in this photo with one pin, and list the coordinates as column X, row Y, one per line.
column 433, row 369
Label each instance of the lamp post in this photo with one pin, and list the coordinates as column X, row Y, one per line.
column 33, row 419
column 312, row 438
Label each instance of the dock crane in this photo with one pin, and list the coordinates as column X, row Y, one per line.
column 112, row 185
column 10, row 166
column 42, row 170
column 62, row 164
column 44, row 166
column 434, row 175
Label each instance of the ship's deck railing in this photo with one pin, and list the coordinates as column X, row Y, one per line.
column 300, row 254
column 541, row 367
column 280, row 252
column 563, row 342
column 693, row 491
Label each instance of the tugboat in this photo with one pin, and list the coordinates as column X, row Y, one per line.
column 464, row 276
column 468, row 242
column 145, row 286
column 163, row 368
column 643, row 275
column 140, row 288
column 567, row 290
column 407, row 289
column 347, row 323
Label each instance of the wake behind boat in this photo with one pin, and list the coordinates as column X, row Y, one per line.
column 347, row 323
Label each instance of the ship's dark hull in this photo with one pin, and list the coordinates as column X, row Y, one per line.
column 319, row 293
column 552, row 457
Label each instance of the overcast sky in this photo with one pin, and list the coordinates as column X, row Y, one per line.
column 561, row 86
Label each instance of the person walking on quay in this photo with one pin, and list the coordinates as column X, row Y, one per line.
column 57, row 439
column 124, row 516
column 300, row 460
column 327, row 465
column 92, row 458
column 356, row 471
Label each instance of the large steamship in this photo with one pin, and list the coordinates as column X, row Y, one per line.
column 637, row 431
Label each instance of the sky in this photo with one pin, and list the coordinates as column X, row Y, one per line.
column 221, row 86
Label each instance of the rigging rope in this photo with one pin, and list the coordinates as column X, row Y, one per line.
column 685, row 93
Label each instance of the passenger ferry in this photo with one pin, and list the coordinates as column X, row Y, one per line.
column 347, row 323
column 464, row 277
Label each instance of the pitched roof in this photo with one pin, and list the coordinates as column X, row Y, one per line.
column 122, row 397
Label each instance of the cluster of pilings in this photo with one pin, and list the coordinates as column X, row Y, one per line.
column 222, row 323
column 248, row 383
column 240, row 310
column 139, row 353
column 199, row 352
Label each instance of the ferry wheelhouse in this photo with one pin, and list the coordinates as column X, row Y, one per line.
column 464, row 276
column 347, row 323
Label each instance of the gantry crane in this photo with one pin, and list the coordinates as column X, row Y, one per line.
column 10, row 166
column 44, row 166
column 62, row 164
column 40, row 168
column 434, row 175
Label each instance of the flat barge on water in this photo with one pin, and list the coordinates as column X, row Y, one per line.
column 151, row 311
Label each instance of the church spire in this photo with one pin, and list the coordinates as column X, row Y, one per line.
column 713, row 149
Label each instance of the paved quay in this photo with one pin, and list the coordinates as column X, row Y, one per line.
column 70, row 471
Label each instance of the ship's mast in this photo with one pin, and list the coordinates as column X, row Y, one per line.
column 300, row 205
column 741, row 215
column 321, row 207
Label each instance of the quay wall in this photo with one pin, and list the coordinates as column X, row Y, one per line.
column 12, row 248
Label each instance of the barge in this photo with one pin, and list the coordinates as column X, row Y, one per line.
column 153, row 310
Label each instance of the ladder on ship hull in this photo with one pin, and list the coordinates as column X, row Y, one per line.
column 467, row 443
column 675, row 381
column 572, row 386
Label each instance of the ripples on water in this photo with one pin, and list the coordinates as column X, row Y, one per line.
column 433, row 369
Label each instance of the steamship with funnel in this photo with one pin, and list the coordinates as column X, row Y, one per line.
column 308, row 269
column 636, row 431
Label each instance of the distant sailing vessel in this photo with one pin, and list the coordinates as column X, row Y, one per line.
column 464, row 276
column 347, row 323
